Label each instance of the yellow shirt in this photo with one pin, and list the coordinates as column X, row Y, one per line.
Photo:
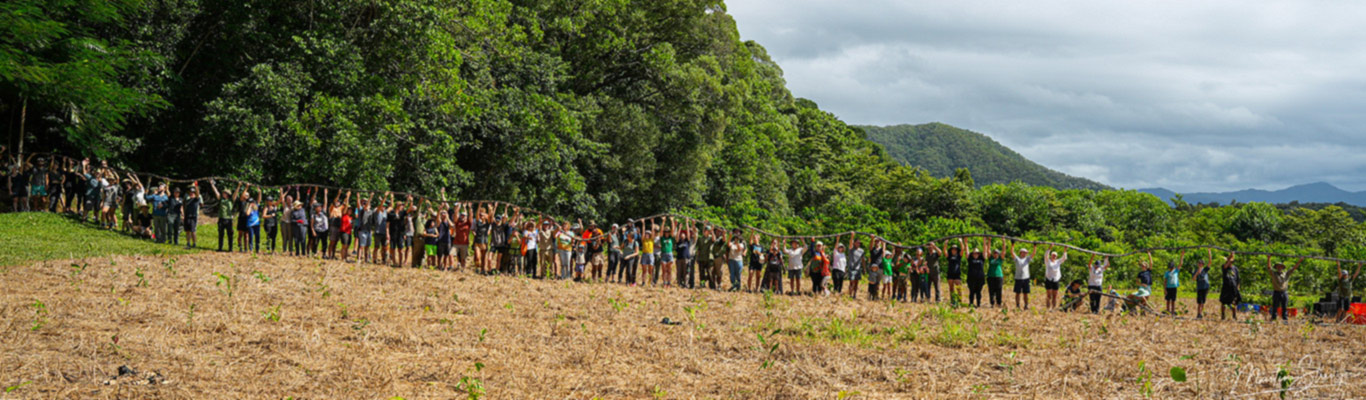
column 648, row 246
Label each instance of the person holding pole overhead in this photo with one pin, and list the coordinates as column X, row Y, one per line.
column 1229, row 291
column 1095, row 278
column 953, row 271
column 1202, row 285
column 977, row 275
column 1172, row 282
column 1022, row 283
column 1052, row 276
column 995, row 274
column 1280, row 284
column 1344, row 290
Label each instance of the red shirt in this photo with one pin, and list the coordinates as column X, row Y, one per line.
column 462, row 233
column 346, row 224
column 825, row 263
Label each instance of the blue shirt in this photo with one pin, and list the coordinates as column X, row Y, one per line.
column 254, row 218
column 158, row 204
column 1173, row 279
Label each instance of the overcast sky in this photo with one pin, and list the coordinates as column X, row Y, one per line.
column 1187, row 95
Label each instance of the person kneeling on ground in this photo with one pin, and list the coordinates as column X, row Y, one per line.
column 1072, row 299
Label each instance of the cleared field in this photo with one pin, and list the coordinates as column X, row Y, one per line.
column 237, row 326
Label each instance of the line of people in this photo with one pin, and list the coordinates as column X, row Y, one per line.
column 664, row 251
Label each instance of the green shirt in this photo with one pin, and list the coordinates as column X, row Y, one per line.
column 224, row 209
column 887, row 266
column 995, row 270
column 667, row 245
column 704, row 249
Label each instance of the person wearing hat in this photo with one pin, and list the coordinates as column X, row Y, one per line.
column 719, row 249
column 1343, row 290
column 225, row 212
column 109, row 197
column 1052, row 276
column 298, row 219
column 1022, row 260
column 270, row 219
column 703, row 245
column 855, row 261
column 191, row 216
column 38, row 185
column 754, row 274
column 1280, row 285
column 175, row 207
column 1230, row 292
column 1172, row 282
column 613, row 252
column 687, row 251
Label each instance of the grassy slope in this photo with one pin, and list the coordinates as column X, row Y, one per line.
column 43, row 236
column 941, row 149
column 363, row 331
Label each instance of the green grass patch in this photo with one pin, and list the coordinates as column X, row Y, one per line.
column 30, row 237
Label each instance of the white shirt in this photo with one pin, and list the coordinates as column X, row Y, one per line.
column 533, row 234
column 1022, row 267
column 1053, row 269
column 794, row 258
column 1097, row 275
column 839, row 262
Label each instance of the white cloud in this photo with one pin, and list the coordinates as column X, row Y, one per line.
column 1190, row 95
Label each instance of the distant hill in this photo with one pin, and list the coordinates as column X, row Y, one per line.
column 941, row 149
column 1319, row 192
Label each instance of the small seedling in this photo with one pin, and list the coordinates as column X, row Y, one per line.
column 1145, row 381
column 16, row 387
column 1283, row 375
column 39, row 315
column 142, row 279
column 260, row 276
column 482, row 333
column 226, row 284
column 272, row 313
column 77, row 269
column 189, row 316
column 169, row 264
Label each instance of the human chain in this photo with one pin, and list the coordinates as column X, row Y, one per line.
column 766, row 233
column 400, row 228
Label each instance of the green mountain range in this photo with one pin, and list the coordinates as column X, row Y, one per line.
column 941, row 149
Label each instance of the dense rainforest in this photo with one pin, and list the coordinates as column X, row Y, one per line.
column 598, row 109
column 942, row 149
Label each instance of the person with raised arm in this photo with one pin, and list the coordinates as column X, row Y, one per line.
column 1095, row 278
column 319, row 227
column 754, row 268
column 686, row 256
column 140, row 216
column 667, row 242
column 333, row 208
column 240, row 205
column 839, row 265
column 109, row 198
column 531, row 236
column 1343, row 290
column 1230, row 292
column 253, row 216
column 1202, row 285
column 158, row 199
column 298, row 217
column 856, row 261
column 1280, row 285
column 735, row 259
column 932, row 269
column 348, row 226
column 1172, row 282
column 175, row 208
column 270, row 218
column 995, row 274
column 1145, row 272
column 976, row 273
column 1022, row 280
column 793, row 253
column 225, row 215
column 1052, row 276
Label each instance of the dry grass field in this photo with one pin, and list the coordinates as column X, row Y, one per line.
column 235, row 326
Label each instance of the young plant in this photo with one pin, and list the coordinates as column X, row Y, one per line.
column 39, row 315
column 226, row 284
column 770, row 348
column 272, row 313
column 142, row 278
column 473, row 387
column 1283, row 375
column 1145, row 379
column 261, row 276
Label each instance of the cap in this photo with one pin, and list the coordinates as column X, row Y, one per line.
column 615, row 226
column 298, row 203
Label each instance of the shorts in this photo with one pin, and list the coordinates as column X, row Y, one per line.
column 381, row 240
column 666, row 258
column 794, row 274
column 886, row 279
column 462, row 251
column 647, row 259
column 853, row 274
column 344, row 238
column 333, row 234
column 598, row 259
column 578, row 267
column 1344, row 303
column 242, row 224
column 191, row 225
column 1171, row 294
column 402, row 242
column 363, row 239
column 1050, row 285
column 1022, row 286
column 1200, row 295
column 432, row 250
column 109, row 201
column 38, row 190
column 481, row 240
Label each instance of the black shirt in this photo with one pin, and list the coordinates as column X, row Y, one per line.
column 192, row 206
column 976, row 267
column 173, row 205
column 1146, row 276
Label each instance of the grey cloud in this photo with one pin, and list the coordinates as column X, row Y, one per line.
column 1193, row 96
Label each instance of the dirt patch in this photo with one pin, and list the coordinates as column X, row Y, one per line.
column 237, row 326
